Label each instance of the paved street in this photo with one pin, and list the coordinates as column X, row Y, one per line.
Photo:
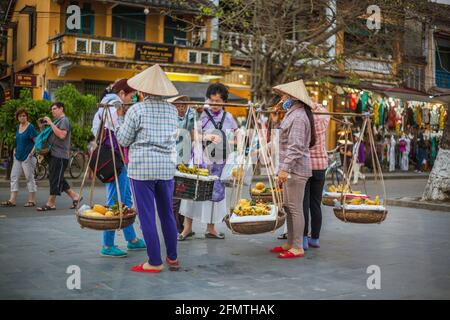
column 411, row 247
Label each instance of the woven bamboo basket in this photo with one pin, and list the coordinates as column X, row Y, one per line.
column 328, row 201
column 106, row 223
column 256, row 227
column 263, row 197
column 360, row 216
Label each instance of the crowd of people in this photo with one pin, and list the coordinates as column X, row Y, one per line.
column 146, row 135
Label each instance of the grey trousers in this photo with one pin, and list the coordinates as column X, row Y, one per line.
column 294, row 191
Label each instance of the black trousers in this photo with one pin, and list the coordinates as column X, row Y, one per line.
column 56, row 168
column 312, row 203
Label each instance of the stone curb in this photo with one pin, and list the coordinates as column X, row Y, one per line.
column 418, row 204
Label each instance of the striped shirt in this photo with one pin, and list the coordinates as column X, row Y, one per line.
column 295, row 135
column 319, row 158
column 149, row 128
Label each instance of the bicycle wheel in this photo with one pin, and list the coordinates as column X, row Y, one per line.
column 76, row 165
column 40, row 172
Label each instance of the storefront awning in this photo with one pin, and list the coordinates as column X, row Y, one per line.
column 407, row 94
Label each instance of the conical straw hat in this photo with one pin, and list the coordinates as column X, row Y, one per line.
column 153, row 81
column 178, row 98
column 295, row 89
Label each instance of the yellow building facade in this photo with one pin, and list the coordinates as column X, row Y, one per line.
column 117, row 39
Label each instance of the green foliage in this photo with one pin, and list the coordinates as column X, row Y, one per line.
column 75, row 106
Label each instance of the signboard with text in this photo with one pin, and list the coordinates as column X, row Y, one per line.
column 25, row 80
column 158, row 53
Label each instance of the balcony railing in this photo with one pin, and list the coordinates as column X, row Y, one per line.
column 119, row 50
column 369, row 65
column 442, row 79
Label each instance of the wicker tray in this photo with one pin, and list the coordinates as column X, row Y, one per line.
column 361, row 216
column 106, row 223
column 256, row 227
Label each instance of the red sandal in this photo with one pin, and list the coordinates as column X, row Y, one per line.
column 140, row 268
column 277, row 250
column 289, row 255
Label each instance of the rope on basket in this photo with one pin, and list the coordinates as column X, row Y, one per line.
column 106, row 114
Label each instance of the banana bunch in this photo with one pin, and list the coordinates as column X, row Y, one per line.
column 343, row 188
column 375, row 202
column 249, row 208
column 357, row 201
column 194, row 170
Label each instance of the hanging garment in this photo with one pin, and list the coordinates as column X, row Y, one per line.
column 426, row 115
column 364, row 98
column 404, row 156
column 418, row 114
column 392, row 118
column 381, row 111
column 392, row 154
column 433, row 151
column 353, row 101
column 434, row 117
column 410, row 117
column 442, row 115
column 376, row 114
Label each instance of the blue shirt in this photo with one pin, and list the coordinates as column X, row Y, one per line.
column 149, row 128
column 24, row 142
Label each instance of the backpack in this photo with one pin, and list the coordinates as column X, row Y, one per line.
column 42, row 146
column 225, row 150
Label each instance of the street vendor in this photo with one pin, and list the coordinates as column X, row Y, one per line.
column 149, row 129
column 297, row 136
column 211, row 152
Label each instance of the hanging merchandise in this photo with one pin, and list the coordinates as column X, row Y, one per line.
column 418, row 115
column 403, row 149
column 381, row 111
column 433, row 150
column 376, row 114
column 353, row 101
column 425, row 114
column 364, row 98
column 434, row 117
column 392, row 118
column 442, row 115
column 392, row 154
column 409, row 116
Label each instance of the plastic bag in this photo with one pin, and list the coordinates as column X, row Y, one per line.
column 235, row 168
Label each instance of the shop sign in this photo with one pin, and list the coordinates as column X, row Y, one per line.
column 150, row 52
column 25, row 80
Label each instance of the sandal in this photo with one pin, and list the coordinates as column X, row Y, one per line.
column 289, row 255
column 174, row 265
column 210, row 235
column 182, row 238
column 45, row 208
column 282, row 236
column 140, row 268
column 75, row 203
column 7, row 204
column 29, row 204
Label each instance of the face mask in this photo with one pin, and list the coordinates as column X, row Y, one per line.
column 287, row 104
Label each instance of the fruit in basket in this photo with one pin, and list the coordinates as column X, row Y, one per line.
column 92, row 213
column 375, row 202
column 357, row 201
column 342, row 188
column 100, row 209
column 256, row 191
column 109, row 214
column 194, row 170
column 250, row 208
column 260, row 186
column 237, row 173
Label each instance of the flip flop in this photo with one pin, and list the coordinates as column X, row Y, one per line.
column 29, row 204
column 140, row 268
column 45, row 208
column 282, row 236
column 278, row 250
column 289, row 255
column 75, row 203
column 7, row 204
column 182, row 238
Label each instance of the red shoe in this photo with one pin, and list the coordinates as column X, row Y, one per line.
column 174, row 265
column 277, row 249
column 289, row 255
column 140, row 268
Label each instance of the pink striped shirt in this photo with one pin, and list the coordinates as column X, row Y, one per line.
column 319, row 158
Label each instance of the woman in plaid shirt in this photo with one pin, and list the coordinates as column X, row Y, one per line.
column 297, row 135
column 149, row 129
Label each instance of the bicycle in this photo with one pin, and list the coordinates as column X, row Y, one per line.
column 41, row 170
column 76, row 163
column 334, row 167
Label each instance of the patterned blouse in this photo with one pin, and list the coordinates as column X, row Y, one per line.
column 149, row 128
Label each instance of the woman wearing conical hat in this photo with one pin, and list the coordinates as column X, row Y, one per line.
column 296, row 137
column 149, row 129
